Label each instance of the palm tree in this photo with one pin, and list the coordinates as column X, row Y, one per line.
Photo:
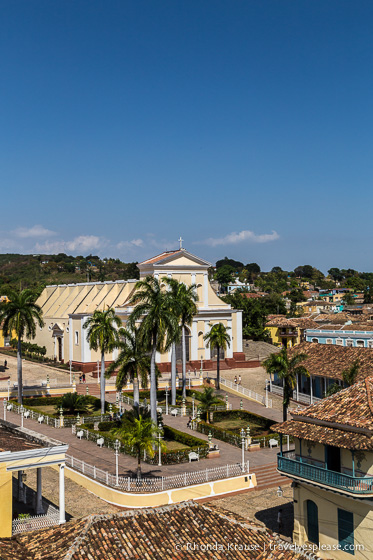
column 218, row 338
column 287, row 368
column 152, row 310
column 102, row 334
column 20, row 314
column 208, row 400
column 183, row 304
column 133, row 362
column 73, row 403
column 140, row 433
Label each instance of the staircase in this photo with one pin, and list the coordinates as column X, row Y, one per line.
column 93, row 389
column 268, row 477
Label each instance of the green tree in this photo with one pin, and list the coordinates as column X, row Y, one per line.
column 183, row 304
column 152, row 310
column 72, row 403
column 102, row 335
column 349, row 377
column 287, row 368
column 218, row 338
column 133, row 362
column 20, row 314
column 207, row 400
column 225, row 275
column 139, row 433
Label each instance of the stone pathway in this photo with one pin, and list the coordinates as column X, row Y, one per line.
column 105, row 459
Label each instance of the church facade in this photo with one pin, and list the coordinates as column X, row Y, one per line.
column 67, row 307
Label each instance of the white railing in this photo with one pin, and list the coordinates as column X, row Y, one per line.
column 129, row 484
column 34, row 522
column 55, row 422
column 247, row 392
column 301, row 397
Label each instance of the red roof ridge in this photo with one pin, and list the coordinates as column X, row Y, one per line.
column 369, row 396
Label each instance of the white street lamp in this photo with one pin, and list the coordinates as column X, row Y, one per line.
column 159, row 444
column 243, row 449
column 8, row 389
column 201, row 364
column 116, row 447
column 193, row 399
column 21, row 410
column 5, row 408
column 266, row 393
column 71, row 363
column 166, row 400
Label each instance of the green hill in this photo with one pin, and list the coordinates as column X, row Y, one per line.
column 29, row 271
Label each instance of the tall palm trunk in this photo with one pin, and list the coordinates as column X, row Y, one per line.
column 183, row 361
column 153, row 384
column 218, row 369
column 173, row 374
column 285, row 401
column 102, row 383
column 139, row 464
column 136, row 392
column 19, row 369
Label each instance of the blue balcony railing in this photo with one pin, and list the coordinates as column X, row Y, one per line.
column 289, row 464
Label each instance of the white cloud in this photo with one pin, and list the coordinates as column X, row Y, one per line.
column 130, row 244
column 80, row 244
column 34, row 231
column 245, row 235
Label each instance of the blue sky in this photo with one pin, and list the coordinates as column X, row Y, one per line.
column 243, row 126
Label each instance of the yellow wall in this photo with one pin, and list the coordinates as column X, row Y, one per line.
column 328, row 504
column 6, row 502
column 2, row 339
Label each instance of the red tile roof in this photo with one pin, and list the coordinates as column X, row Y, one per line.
column 330, row 360
column 165, row 532
column 344, row 419
column 160, row 257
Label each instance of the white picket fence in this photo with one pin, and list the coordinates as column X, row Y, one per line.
column 301, row 397
column 130, row 484
column 247, row 392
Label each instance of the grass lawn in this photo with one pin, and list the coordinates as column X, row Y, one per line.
column 236, row 424
column 175, row 445
column 51, row 410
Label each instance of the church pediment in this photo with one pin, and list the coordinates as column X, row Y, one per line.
column 174, row 259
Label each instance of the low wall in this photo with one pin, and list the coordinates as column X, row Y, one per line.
column 155, row 499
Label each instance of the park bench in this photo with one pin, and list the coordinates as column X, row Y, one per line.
column 193, row 456
column 159, row 410
column 80, row 434
column 174, row 412
column 273, row 443
column 9, row 407
column 26, row 414
column 41, row 419
column 100, row 442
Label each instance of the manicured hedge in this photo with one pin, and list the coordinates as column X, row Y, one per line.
column 231, row 437
column 250, row 417
column 182, row 437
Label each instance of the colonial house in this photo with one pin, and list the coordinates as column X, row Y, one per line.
column 287, row 332
column 21, row 451
column 67, row 307
column 359, row 335
column 332, row 472
column 325, row 364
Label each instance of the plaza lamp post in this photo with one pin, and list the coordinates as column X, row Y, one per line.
column 71, row 363
column 166, row 400
column 159, row 444
column 189, row 377
column 201, row 365
column 242, row 433
column 8, row 389
column 117, row 447
column 193, row 399
column 21, row 411
column 5, row 401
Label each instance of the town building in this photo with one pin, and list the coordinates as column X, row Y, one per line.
column 332, row 472
column 20, row 451
column 359, row 335
column 67, row 307
column 325, row 364
column 286, row 332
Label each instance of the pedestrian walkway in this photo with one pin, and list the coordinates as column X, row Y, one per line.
column 104, row 458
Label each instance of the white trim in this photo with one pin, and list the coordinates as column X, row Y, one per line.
column 207, row 348
column 205, row 290
column 239, row 331
column 194, row 341
column 230, row 345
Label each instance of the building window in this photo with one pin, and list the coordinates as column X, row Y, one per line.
column 329, row 341
column 339, row 342
column 370, row 343
column 349, row 342
column 346, row 530
column 76, row 337
column 316, row 340
column 360, row 343
column 312, row 522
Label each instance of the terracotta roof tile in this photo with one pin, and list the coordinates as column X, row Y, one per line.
column 160, row 257
column 158, row 533
column 330, row 360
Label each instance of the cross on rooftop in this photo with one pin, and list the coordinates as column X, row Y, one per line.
column 181, row 242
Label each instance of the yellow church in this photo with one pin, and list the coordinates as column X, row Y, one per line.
column 67, row 307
